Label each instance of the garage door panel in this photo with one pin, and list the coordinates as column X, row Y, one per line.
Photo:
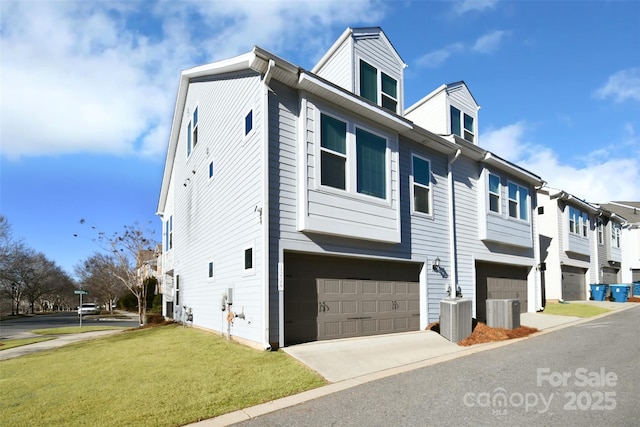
column 500, row 281
column 573, row 283
column 375, row 308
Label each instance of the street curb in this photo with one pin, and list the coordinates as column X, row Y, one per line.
column 286, row 402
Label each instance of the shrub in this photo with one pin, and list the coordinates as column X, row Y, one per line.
column 155, row 318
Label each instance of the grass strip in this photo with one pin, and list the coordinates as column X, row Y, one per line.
column 571, row 309
column 164, row 376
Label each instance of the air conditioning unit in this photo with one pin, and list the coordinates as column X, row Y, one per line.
column 455, row 318
column 503, row 313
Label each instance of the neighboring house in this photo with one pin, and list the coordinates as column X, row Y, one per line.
column 495, row 246
column 309, row 201
column 626, row 236
column 567, row 244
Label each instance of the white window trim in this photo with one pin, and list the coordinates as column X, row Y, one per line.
column 463, row 113
column 600, row 231
column 211, row 170
column 412, row 183
column 489, row 193
column 579, row 226
column 351, row 174
column 509, row 199
column 249, row 271
column 379, row 71
column 193, row 129
column 615, row 235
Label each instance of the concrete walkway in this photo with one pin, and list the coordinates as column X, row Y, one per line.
column 58, row 341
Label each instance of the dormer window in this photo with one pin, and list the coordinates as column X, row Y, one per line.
column 458, row 119
column 374, row 82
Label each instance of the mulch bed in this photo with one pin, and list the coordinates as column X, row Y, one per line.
column 483, row 333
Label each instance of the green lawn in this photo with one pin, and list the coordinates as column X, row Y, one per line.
column 165, row 376
column 571, row 309
column 18, row 342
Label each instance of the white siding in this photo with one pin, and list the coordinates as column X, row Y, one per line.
column 215, row 219
column 432, row 114
column 339, row 68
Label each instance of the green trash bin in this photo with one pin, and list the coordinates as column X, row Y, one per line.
column 619, row 293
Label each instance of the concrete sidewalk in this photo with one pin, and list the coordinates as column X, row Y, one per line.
column 58, row 341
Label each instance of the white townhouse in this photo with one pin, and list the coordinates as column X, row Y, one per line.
column 495, row 247
column 310, row 201
column 625, row 236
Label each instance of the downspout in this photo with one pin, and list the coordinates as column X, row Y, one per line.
column 536, row 249
column 265, row 205
column 452, row 225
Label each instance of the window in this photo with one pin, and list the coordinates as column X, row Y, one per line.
column 333, row 152
column 615, row 234
column 518, row 202
column 389, row 92
column 368, row 82
column 177, row 290
column 195, row 127
column 578, row 222
column 494, row 193
column 248, row 123
column 248, row 259
column 421, row 183
column 370, row 87
column 211, row 170
column 211, row 269
column 455, row 121
column 189, row 139
column 468, row 128
column 351, row 158
column 169, row 233
column 459, row 119
column 371, row 164
column 600, row 228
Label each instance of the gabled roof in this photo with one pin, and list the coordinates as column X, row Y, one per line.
column 630, row 211
column 445, row 87
column 555, row 193
column 357, row 33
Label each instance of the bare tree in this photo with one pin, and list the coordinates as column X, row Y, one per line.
column 96, row 272
column 132, row 252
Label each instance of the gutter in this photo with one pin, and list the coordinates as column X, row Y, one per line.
column 452, row 226
column 266, row 345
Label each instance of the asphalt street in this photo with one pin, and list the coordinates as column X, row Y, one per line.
column 588, row 374
column 20, row 326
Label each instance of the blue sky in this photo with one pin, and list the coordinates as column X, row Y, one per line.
column 88, row 91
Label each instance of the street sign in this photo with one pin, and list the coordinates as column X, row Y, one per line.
column 81, row 292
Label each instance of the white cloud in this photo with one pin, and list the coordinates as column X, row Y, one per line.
column 485, row 44
column 602, row 175
column 470, row 5
column 77, row 77
column 438, row 57
column 489, row 42
column 621, row 86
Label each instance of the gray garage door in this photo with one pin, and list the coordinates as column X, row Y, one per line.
column 573, row 283
column 500, row 281
column 609, row 275
column 635, row 275
column 328, row 297
column 350, row 308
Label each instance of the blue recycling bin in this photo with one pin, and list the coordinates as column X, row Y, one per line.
column 636, row 289
column 598, row 292
column 619, row 293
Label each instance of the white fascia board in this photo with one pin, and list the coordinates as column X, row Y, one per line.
column 495, row 161
column 325, row 90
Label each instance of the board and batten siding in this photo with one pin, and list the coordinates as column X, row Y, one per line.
column 215, row 219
